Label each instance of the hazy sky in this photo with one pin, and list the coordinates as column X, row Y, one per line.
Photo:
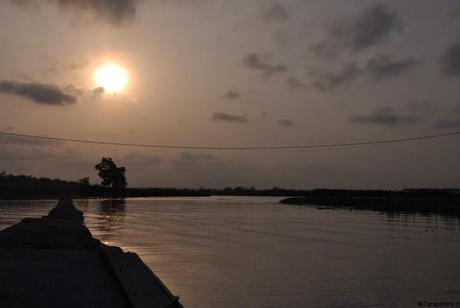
column 234, row 73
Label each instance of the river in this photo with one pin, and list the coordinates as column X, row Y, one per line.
column 238, row 252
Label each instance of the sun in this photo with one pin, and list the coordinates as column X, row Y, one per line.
column 112, row 77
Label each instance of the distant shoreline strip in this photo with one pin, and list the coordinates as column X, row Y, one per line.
column 240, row 148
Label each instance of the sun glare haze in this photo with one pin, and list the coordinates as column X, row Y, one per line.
column 112, row 77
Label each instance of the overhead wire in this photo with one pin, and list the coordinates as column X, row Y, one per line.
column 240, row 148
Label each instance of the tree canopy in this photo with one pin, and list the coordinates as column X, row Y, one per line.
column 111, row 174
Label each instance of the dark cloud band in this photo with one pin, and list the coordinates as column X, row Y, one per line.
column 369, row 28
column 450, row 60
column 376, row 69
column 387, row 116
column 37, row 92
column 285, row 123
column 225, row 117
column 113, row 11
column 232, row 95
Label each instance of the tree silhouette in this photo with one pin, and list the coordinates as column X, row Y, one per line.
column 84, row 181
column 111, row 174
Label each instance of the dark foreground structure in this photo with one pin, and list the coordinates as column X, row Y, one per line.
column 54, row 262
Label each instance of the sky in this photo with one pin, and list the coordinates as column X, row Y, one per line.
column 234, row 73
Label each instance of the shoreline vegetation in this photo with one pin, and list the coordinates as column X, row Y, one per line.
column 29, row 187
column 423, row 201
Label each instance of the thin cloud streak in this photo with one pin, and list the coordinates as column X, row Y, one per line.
column 387, row 66
column 260, row 63
column 232, row 95
column 285, row 123
column 225, row 117
column 387, row 116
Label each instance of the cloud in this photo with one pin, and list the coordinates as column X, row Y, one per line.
column 295, row 83
column 370, row 28
column 450, row 60
column 232, row 95
column 386, row 66
column 388, row 117
column 39, row 93
column 225, row 117
column 72, row 90
column 381, row 116
column 452, row 121
column 78, row 65
column 97, row 92
column 448, row 123
column 328, row 81
column 455, row 13
column 377, row 68
column 285, row 123
column 115, row 12
column 260, row 63
column 275, row 13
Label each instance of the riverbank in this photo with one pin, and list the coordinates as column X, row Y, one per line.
column 424, row 201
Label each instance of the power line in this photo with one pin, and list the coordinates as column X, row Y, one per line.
column 289, row 147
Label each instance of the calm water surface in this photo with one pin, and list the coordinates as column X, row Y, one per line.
column 232, row 252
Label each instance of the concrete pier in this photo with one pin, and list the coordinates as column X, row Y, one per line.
column 55, row 262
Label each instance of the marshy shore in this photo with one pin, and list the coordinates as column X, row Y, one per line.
column 424, row 201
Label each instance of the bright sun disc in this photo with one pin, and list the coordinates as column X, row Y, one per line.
column 112, row 77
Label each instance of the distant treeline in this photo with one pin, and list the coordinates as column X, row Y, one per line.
column 29, row 187
column 251, row 191
column 429, row 201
